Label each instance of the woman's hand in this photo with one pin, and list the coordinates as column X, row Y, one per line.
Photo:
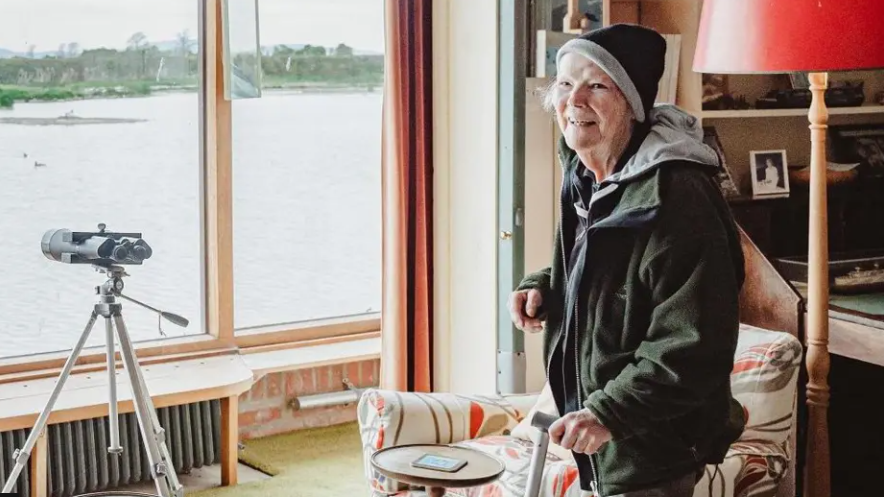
column 580, row 432
column 524, row 306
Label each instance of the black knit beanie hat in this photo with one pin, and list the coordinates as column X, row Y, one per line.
column 633, row 56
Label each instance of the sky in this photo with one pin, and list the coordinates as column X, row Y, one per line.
column 95, row 23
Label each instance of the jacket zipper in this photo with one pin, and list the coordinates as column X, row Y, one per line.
column 594, row 484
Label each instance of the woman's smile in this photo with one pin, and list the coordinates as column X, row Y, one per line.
column 581, row 122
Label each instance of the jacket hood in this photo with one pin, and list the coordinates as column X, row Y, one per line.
column 674, row 135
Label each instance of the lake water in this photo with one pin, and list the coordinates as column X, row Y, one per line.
column 307, row 197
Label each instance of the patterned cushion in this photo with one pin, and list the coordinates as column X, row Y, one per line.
column 764, row 380
column 749, row 470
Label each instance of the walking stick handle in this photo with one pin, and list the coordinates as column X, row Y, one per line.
column 543, row 421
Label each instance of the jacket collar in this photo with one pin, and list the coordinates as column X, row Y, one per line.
column 635, row 201
column 670, row 135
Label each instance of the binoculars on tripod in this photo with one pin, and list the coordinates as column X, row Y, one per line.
column 95, row 247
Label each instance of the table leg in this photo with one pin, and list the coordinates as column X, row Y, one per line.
column 229, row 440
column 435, row 492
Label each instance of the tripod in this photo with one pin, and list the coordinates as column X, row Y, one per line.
column 161, row 468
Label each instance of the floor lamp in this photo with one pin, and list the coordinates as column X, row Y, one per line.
column 815, row 36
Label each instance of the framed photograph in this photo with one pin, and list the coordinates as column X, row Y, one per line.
column 770, row 173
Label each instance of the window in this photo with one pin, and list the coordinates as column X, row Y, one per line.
column 99, row 123
column 306, row 166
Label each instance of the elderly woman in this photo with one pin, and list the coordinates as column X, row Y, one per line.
column 640, row 305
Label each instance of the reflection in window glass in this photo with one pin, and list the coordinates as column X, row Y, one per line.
column 306, row 166
column 99, row 123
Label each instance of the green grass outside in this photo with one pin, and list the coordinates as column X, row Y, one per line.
column 10, row 94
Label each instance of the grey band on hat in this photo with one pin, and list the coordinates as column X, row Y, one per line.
column 603, row 58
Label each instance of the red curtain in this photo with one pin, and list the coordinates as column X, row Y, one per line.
column 407, row 182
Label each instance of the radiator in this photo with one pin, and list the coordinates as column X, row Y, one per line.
column 78, row 461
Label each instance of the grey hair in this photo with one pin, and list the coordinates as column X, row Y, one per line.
column 546, row 94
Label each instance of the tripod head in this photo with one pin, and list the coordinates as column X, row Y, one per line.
column 114, row 285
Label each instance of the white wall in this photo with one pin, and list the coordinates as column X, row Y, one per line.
column 465, row 193
column 541, row 201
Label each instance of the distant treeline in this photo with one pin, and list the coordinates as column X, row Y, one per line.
column 315, row 64
column 142, row 67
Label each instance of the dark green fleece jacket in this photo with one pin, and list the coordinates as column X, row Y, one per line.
column 654, row 316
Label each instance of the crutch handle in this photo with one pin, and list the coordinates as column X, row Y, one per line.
column 542, row 421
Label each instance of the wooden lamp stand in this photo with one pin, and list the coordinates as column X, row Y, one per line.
column 816, row 470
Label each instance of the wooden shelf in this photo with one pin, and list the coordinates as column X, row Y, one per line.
column 748, row 199
column 797, row 112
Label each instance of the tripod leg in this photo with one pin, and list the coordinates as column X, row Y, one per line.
column 113, row 416
column 22, row 455
column 161, row 467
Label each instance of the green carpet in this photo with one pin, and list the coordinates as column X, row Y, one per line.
column 322, row 462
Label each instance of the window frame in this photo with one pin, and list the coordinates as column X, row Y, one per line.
column 216, row 211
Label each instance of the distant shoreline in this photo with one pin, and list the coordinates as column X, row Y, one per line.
column 25, row 94
column 301, row 87
column 66, row 121
column 74, row 120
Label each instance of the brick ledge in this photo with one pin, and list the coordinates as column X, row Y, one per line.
column 266, row 409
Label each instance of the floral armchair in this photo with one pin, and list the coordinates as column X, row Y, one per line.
column 759, row 464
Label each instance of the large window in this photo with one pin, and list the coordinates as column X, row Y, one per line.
column 99, row 123
column 306, row 166
column 100, row 112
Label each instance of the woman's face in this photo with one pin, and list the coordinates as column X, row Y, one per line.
column 590, row 109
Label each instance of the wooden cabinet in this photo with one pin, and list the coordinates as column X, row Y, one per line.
column 855, row 214
column 757, row 219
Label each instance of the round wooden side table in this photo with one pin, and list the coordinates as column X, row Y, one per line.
column 395, row 463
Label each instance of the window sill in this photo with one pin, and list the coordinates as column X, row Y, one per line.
column 172, row 380
column 85, row 395
column 92, row 358
column 304, row 355
column 307, row 331
column 25, row 368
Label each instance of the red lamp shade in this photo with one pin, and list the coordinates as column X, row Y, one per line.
column 778, row 36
